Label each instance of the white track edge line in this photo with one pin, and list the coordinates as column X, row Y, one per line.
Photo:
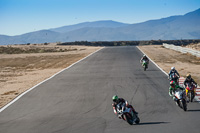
column 161, row 69
column 153, row 62
column 22, row 94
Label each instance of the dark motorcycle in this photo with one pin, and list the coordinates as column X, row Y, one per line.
column 174, row 77
column 127, row 114
column 181, row 99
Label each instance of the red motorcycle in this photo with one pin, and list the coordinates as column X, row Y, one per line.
column 190, row 91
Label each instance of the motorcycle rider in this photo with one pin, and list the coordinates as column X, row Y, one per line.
column 190, row 80
column 117, row 101
column 173, row 87
column 173, row 70
column 144, row 58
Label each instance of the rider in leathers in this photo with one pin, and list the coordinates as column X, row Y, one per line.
column 173, row 70
column 117, row 100
column 173, row 87
column 145, row 59
column 190, row 80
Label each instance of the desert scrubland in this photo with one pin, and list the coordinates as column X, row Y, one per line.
column 23, row 70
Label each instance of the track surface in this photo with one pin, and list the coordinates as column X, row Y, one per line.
column 79, row 99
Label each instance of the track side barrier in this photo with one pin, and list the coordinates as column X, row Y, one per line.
column 182, row 49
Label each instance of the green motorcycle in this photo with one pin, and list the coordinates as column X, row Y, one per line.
column 145, row 65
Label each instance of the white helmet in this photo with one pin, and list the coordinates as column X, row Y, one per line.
column 172, row 68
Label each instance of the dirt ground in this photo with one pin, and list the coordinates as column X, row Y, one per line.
column 166, row 58
column 19, row 72
column 194, row 46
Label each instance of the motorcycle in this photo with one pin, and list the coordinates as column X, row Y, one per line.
column 127, row 114
column 145, row 64
column 174, row 77
column 190, row 92
column 180, row 98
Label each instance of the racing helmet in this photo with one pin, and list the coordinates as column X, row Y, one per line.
column 115, row 98
column 173, row 68
column 172, row 83
column 188, row 76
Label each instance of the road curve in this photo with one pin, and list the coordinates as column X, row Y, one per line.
column 79, row 99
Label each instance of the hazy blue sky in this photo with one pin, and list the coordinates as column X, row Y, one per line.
column 22, row 16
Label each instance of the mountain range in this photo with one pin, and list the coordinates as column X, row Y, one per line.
column 171, row 28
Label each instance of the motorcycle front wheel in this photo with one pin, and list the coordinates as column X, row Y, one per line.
column 189, row 95
column 128, row 118
column 184, row 105
column 145, row 67
column 138, row 120
column 192, row 95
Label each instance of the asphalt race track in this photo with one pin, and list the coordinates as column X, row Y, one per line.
column 79, row 99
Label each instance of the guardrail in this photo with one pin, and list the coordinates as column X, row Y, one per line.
column 182, row 49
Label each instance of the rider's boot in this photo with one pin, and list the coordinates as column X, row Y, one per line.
column 119, row 116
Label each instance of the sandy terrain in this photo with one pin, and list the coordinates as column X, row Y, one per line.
column 194, row 46
column 166, row 58
column 19, row 72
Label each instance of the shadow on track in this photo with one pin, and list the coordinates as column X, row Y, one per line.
column 194, row 110
column 196, row 101
column 152, row 70
column 152, row 123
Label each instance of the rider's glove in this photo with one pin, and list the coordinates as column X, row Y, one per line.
column 174, row 98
